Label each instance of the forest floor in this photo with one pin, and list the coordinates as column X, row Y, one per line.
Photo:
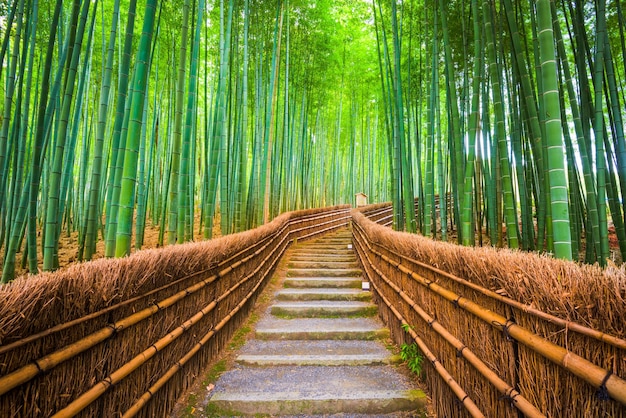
column 69, row 246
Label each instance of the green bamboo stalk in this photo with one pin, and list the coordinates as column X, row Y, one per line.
column 176, row 231
column 240, row 208
column 400, row 137
column 217, row 161
column 454, row 125
column 618, row 139
column 185, row 195
column 510, row 216
column 8, row 101
column 467, row 218
column 593, row 240
column 429, row 190
column 266, row 169
column 554, row 135
column 7, row 34
column 50, row 256
column 39, row 144
column 598, row 129
column 129, row 180
column 530, row 110
column 118, row 141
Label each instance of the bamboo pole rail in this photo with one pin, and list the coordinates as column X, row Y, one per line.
column 428, row 277
column 569, row 325
column 101, row 387
column 136, row 407
column 519, row 401
column 244, row 270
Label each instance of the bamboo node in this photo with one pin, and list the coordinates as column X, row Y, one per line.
column 505, row 328
column 461, row 401
column 455, row 302
column 602, row 393
column 459, row 352
column 509, row 397
column 39, row 368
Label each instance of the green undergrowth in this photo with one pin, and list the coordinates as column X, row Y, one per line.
column 411, row 355
column 212, row 411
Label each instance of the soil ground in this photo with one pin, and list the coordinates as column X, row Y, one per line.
column 68, row 245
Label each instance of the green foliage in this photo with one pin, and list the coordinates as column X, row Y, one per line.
column 414, row 359
column 215, row 372
column 411, row 355
column 391, row 106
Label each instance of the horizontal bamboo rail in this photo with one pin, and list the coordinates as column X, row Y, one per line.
column 426, row 270
column 456, row 388
column 566, row 325
column 245, row 270
column 136, row 407
column 97, row 390
column 503, row 387
column 374, row 255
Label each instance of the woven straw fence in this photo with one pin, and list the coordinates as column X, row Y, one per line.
column 126, row 337
column 503, row 333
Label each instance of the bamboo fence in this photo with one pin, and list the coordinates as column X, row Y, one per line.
column 126, row 337
column 504, row 333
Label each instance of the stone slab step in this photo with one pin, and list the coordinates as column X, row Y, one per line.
column 315, row 390
column 341, row 241
column 323, row 294
column 323, row 309
column 323, row 282
column 326, row 257
column 326, row 246
column 324, row 272
column 327, row 254
column 315, row 353
column 272, row 328
column 322, row 264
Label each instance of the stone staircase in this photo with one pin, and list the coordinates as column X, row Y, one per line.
column 318, row 350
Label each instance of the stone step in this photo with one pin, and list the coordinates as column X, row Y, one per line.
column 313, row 390
column 319, row 349
column 322, row 264
column 323, row 309
column 323, row 282
column 325, row 253
column 315, row 353
column 324, row 272
column 342, row 241
column 349, row 258
column 323, row 245
column 272, row 328
column 323, row 294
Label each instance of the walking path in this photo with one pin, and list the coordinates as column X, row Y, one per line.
column 318, row 349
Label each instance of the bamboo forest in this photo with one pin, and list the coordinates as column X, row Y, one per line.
column 484, row 122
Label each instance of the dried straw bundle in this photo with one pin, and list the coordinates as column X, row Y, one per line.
column 584, row 294
column 579, row 293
